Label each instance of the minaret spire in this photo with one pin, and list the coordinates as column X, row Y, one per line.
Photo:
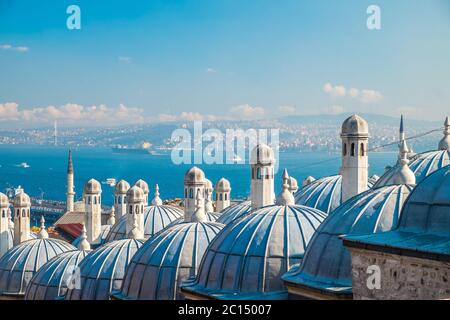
column 84, row 244
column 156, row 199
column 199, row 214
column 401, row 131
column 285, row 198
column 43, row 233
column 444, row 144
column 70, row 193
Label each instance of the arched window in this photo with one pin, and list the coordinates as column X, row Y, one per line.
column 344, row 149
column 23, row 212
column 89, row 200
column 362, row 150
column 119, row 200
column 18, row 213
column 221, row 197
column 142, row 209
column 3, row 213
column 137, row 209
column 353, row 150
column 28, row 213
column 95, row 200
column 185, row 192
column 191, row 193
column 131, row 209
column 258, row 173
column 226, row 197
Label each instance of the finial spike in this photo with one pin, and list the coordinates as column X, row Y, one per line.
column 84, row 244
column 42, row 233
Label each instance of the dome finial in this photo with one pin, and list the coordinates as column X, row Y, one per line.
column 84, row 244
column 156, row 199
column 135, row 233
column 404, row 174
column 112, row 217
column 43, row 233
column 285, row 198
column 199, row 214
column 444, row 144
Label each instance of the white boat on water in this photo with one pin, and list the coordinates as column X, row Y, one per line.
column 23, row 165
column 110, row 182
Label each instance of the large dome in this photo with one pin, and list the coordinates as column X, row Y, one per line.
column 52, row 279
column 327, row 263
column 19, row 264
column 159, row 267
column 247, row 259
column 102, row 271
column 355, row 125
column 235, row 211
column 422, row 165
column 156, row 218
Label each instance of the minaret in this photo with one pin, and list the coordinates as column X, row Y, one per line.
column 4, row 224
column 144, row 186
column 285, row 198
column 208, row 196
column 444, row 144
column 223, row 194
column 84, row 244
column 404, row 174
column 70, row 191
column 120, row 198
column 194, row 186
column 156, row 199
column 401, row 145
column 135, row 209
column 262, row 163
column 355, row 164
column 199, row 214
column 93, row 204
column 22, row 205
column 43, row 234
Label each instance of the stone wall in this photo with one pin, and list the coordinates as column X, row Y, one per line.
column 401, row 277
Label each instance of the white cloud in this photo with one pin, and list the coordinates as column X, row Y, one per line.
column 246, row 111
column 13, row 48
column 211, row 70
column 126, row 60
column 336, row 109
column 365, row 96
column 185, row 116
column 287, row 109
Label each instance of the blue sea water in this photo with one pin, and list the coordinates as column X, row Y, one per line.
column 48, row 165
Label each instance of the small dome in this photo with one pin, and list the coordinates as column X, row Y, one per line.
column 208, row 184
column 223, row 185
column 194, row 175
column 22, row 200
column 293, row 184
column 327, row 263
column 102, row 271
column 122, row 187
column 324, row 194
column 135, row 195
column 308, row 180
column 234, row 212
column 4, row 201
column 143, row 185
column 156, row 218
column 20, row 263
column 247, row 259
column 52, row 278
column 92, row 187
column 262, row 154
column 355, row 125
column 164, row 262
column 422, row 164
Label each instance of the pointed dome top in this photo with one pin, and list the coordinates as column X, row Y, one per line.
column 355, row 125
column 156, row 199
column 223, row 185
column 135, row 194
column 293, row 185
column 285, row 198
column 43, row 233
column 444, row 144
column 262, row 154
column 4, row 201
column 404, row 174
column 194, row 175
column 84, row 244
column 112, row 217
column 92, row 187
column 122, row 187
column 143, row 185
column 308, row 180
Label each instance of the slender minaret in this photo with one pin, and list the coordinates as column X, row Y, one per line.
column 194, row 186
column 43, row 234
column 84, row 244
column 199, row 214
column 404, row 174
column 112, row 217
column 93, row 205
column 22, row 229
column 262, row 163
column 120, row 198
column 208, row 196
column 144, row 186
column 156, row 199
column 4, row 224
column 355, row 164
column 444, row 144
column 285, row 198
column 223, row 194
column 70, row 195
column 135, row 209
column 401, row 145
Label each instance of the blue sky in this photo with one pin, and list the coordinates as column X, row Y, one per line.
column 165, row 59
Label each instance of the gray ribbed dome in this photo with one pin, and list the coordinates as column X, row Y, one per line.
column 11, row 237
column 212, row 216
column 19, row 264
column 52, row 279
column 156, row 218
column 422, row 165
column 247, row 259
column 234, row 212
column 102, row 271
column 121, row 187
column 355, row 125
column 92, row 187
column 159, row 267
column 143, row 185
column 327, row 263
column 262, row 154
